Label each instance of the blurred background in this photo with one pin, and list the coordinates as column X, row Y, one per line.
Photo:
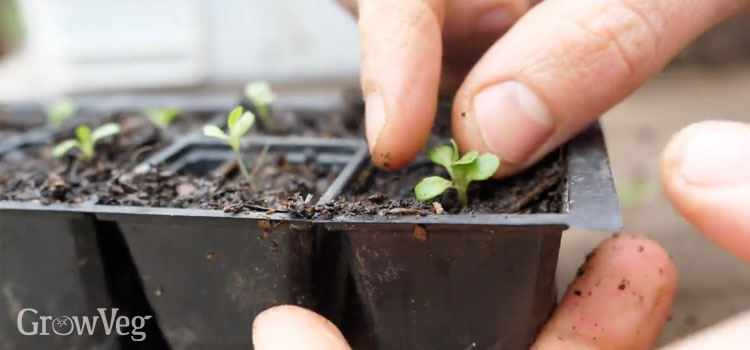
column 53, row 47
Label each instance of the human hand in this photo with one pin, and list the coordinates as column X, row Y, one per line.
column 624, row 293
column 521, row 94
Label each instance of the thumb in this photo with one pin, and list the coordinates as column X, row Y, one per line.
column 620, row 300
column 564, row 64
column 289, row 327
column 401, row 49
column 706, row 173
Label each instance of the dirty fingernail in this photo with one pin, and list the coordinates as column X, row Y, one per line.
column 716, row 156
column 495, row 21
column 514, row 121
column 375, row 117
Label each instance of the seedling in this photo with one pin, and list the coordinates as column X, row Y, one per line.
column 635, row 193
column 463, row 170
column 60, row 111
column 239, row 124
column 261, row 96
column 162, row 117
column 85, row 140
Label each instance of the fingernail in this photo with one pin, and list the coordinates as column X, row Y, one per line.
column 494, row 21
column 717, row 155
column 514, row 121
column 375, row 116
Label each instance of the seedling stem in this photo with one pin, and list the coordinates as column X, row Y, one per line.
column 239, row 124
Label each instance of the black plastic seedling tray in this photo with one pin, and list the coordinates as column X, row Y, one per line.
column 50, row 261
column 58, row 259
column 208, row 273
column 407, row 282
column 471, row 280
column 18, row 122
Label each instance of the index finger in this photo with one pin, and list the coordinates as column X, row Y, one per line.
column 401, row 50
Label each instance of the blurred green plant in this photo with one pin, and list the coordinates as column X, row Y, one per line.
column 59, row 111
column 635, row 194
column 162, row 117
column 85, row 140
column 262, row 96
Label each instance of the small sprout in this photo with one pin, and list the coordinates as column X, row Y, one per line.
column 60, row 111
column 239, row 124
column 162, row 117
column 463, row 170
column 85, row 140
column 261, row 96
column 635, row 194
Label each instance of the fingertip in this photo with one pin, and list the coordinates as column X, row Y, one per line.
column 290, row 327
column 620, row 299
column 401, row 48
column 395, row 139
column 705, row 171
column 541, row 83
column 507, row 169
column 389, row 157
column 375, row 118
column 632, row 260
column 672, row 155
column 467, row 131
column 636, row 253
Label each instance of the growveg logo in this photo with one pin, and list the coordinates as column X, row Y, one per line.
column 30, row 323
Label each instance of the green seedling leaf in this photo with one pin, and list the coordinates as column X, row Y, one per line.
column 83, row 132
column 64, row 147
column 60, row 111
column 103, row 131
column 455, row 150
column 215, row 131
column 260, row 93
column 234, row 116
column 162, row 117
column 244, row 124
column 261, row 96
column 463, row 170
column 635, row 194
column 238, row 123
column 484, row 167
column 86, row 139
column 431, row 187
column 467, row 158
column 442, row 155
